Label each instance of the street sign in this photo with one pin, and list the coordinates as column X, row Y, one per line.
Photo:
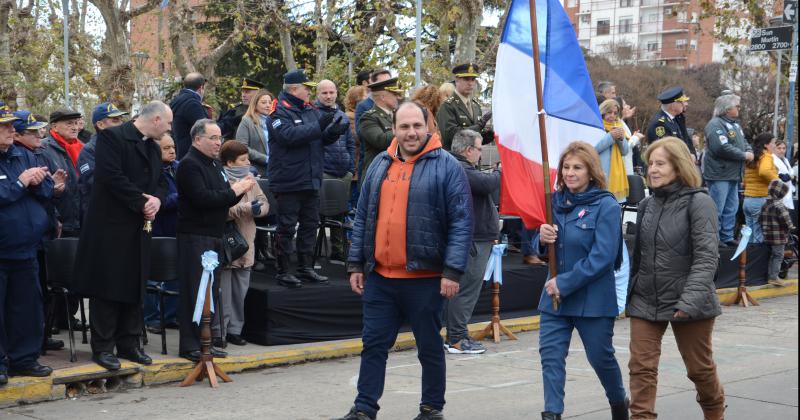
column 769, row 39
column 793, row 72
column 790, row 11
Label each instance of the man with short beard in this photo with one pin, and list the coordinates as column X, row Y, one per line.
column 411, row 238
column 339, row 161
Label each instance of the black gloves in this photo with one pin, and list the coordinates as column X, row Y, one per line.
column 485, row 118
column 338, row 127
column 325, row 120
column 785, row 177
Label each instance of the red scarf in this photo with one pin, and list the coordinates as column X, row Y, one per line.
column 72, row 146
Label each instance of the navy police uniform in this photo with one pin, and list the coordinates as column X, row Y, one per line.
column 23, row 223
column 663, row 125
column 298, row 133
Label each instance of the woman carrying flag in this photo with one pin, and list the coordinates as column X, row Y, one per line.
column 587, row 234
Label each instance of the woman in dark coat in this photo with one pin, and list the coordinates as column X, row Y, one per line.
column 672, row 279
column 587, row 234
column 113, row 259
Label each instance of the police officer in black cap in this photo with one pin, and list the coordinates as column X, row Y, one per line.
column 462, row 111
column 298, row 133
column 669, row 120
column 230, row 120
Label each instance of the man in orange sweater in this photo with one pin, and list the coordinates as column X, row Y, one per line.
column 411, row 238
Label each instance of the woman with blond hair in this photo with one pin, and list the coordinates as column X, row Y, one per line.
column 587, row 235
column 253, row 132
column 672, row 279
column 612, row 147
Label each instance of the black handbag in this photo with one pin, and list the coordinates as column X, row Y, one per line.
column 233, row 243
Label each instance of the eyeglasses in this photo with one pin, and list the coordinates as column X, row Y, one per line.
column 479, row 148
column 213, row 138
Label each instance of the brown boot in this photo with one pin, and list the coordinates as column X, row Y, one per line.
column 532, row 260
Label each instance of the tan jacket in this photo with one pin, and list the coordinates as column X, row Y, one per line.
column 242, row 213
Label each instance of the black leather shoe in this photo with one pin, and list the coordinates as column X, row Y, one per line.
column 308, row 274
column 235, row 339
column 106, row 360
column 37, row 370
column 218, row 353
column 136, row 355
column 53, row 344
column 193, row 356
column 546, row 415
column 429, row 413
column 3, row 378
column 288, row 280
column 354, row 414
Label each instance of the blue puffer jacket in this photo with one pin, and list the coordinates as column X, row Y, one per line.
column 439, row 216
column 23, row 211
column 295, row 146
column 339, row 156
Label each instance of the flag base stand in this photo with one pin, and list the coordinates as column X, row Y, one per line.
column 495, row 328
column 742, row 296
column 206, row 368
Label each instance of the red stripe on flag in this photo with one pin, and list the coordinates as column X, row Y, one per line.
column 522, row 187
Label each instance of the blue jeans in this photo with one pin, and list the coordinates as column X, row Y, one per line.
column 387, row 303
column 21, row 313
column 526, row 241
column 596, row 333
column 151, row 318
column 726, row 196
column 752, row 209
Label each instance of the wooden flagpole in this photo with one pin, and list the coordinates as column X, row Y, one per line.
column 551, row 248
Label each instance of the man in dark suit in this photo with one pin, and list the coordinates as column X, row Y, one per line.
column 188, row 109
column 204, row 197
column 113, row 259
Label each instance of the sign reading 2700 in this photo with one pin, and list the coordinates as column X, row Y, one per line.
column 768, row 39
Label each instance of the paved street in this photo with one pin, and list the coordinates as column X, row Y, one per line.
column 756, row 349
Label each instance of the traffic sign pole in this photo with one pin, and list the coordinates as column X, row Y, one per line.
column 790, row 136
column 778, row 76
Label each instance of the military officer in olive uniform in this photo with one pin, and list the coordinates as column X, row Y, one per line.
column 375, row 126
column 669, row 120
column 230, row 120
column 461, row 110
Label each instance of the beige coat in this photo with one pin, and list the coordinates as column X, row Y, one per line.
column 242, row 213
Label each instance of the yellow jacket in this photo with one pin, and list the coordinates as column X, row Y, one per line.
column 756, row 180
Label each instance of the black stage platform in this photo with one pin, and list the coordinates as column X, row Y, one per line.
column 276, row 315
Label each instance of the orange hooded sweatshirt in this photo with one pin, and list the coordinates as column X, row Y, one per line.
column 390, row 229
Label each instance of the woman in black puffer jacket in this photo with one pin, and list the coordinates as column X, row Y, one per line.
column 672, row 280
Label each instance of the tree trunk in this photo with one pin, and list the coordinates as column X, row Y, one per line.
column 468, row 25
column 8, row 91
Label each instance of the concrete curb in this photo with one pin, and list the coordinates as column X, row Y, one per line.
column 26, row 390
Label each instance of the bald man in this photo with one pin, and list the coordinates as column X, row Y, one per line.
column 187, row 108
column 339, row 158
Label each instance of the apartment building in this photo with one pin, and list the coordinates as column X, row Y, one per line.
column 655, row 32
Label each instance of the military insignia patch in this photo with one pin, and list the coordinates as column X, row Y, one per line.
column 731, row 133
column 660, row 131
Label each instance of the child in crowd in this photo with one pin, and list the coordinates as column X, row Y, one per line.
column 776, row 225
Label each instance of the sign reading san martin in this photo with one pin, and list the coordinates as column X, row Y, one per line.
column 768, row 39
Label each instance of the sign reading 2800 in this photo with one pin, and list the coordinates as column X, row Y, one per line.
column 768, row 39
